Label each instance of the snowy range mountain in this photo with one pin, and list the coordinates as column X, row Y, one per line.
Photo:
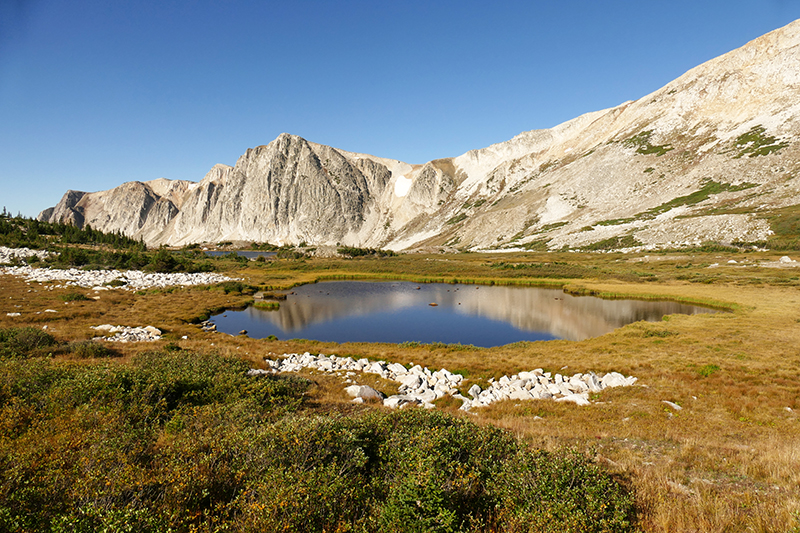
column 710, row 157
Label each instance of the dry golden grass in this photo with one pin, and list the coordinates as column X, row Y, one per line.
column 729, row 460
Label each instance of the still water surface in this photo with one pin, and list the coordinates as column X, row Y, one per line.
column 358, row 311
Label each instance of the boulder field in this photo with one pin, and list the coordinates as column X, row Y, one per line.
column 421, row 386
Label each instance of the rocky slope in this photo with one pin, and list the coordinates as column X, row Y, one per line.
column 712, row 156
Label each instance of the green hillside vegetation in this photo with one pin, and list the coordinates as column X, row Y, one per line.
column 754, row 143
column 182, row 441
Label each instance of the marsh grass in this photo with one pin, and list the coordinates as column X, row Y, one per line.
column 727, row 461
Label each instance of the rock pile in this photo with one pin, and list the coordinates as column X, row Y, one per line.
column 11, row 255
column 421, row 386
column 111, row 279
column 537, row 384
column 127, row 334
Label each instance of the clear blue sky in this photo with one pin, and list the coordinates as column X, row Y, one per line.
column 95, row 92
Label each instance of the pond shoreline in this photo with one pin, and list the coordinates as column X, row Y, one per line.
column 402, row 311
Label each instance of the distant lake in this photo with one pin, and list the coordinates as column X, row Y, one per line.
column 244, row 253
column 395, row 312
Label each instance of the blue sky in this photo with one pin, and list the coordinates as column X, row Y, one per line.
column 95, row 93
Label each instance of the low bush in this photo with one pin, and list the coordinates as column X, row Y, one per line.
column 571, row 494
column 73, row 297
column 24, row 342
column 182, row 441
column 236, row 287
column 90, row 350
column 352, row 251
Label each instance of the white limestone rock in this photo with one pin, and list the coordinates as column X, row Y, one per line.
column 364, row 392
column 578, row 399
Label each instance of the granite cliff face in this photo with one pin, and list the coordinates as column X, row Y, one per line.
column 288, row 191
column 709, row 157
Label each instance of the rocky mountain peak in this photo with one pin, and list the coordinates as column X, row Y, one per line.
column 711, row 156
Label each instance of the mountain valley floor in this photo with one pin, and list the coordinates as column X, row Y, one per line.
column 721, row 455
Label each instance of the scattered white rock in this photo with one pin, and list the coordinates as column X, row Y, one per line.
column 421, row 386
column 12, row 314
column 787, row 259
column 672, row 404
column 11, row 255
column 99, row 280
column 127, row 334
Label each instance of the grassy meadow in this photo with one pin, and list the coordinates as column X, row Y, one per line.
column 728, row 460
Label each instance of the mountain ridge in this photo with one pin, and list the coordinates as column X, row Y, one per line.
column 703, row 158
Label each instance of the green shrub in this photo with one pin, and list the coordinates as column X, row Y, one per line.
column 436, row 469
column 24, row 342
column 181, row 441
column 290, row 254
column 93, row 518
column 561, row 492
column 91, row 350
column 73, row 297
column 352, row 251
column 237, row 287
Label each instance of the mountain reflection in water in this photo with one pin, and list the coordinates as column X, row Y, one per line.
column 359, row 311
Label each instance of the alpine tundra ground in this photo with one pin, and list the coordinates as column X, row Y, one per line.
column 724, row 455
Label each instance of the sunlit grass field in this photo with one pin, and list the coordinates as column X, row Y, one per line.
column 728, row 460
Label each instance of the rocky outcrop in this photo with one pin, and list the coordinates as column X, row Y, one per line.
column 67, row 210
column 705, row 158
column 138, row 209
column 288, row 191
